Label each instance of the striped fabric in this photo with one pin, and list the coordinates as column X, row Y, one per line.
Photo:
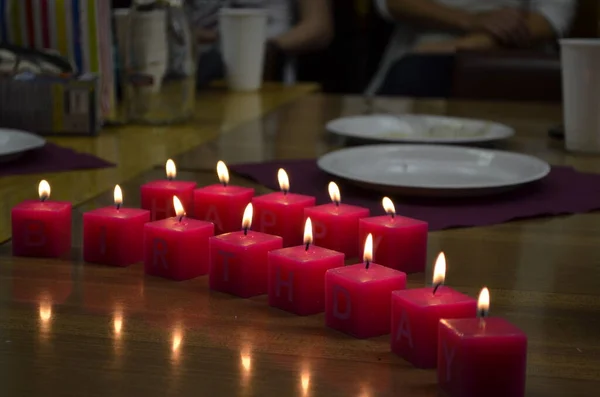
column 78, row 29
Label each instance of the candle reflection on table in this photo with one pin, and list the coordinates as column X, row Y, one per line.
column 305, row 380
column 177, row 340
column 45, row 311
column 246, row 363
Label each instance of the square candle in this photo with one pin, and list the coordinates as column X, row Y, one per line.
column 398, row 242
column 358, row 300
column 415, row 317
column 41, row 228
column 114, row 236
column 297, row 278
column 238, row 262
column 222, row 205
column 177, row 248
column 481, row 357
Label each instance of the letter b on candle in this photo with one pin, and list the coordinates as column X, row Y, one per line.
column 34, row 233
column 339, row 292
column 160, row 249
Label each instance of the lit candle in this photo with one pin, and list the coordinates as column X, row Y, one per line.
column 157, row 196
column 222, row 204
column 177, row 248
column 238, row 263
column 485, row 356
column 297, row 275
column 336, row 224
column 281, row 213
column 417, row 312
column 399, row 242
column 114, row 235
column 41, row 228
column 358, row 297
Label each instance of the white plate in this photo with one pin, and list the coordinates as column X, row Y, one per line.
column 13, row 143
column 419, row 129
column 433, row 170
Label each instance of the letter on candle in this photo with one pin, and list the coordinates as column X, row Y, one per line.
column 225, row 257
column 289, row 284
column 337, row 290
column 160, row 251
column 404, row 329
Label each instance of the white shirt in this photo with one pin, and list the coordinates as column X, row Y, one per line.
column 406, row 37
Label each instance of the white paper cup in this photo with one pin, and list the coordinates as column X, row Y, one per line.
column 580, row 60
column 243, row 35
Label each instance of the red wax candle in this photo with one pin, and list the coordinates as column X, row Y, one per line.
column 297, row 275
column 336, row 224
column 481, row 356
column 238, row 260
column 358, row 297
column 114, row 235
column 42, row 227
column 157, row 196
column 222, row 204
column 398, row 242
column 177, row 248
column 282, row 213
column 417, row 312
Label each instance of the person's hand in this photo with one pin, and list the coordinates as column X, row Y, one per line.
column 476, row 41
column 436, row 47
column 507, row 25
column 205, row 36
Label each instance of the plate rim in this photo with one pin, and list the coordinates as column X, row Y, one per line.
column 509, row 131
column 328, row 156
column 40, row 141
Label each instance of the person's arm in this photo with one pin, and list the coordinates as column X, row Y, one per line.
column 313, row 32
column 550, row 19
column 427, row 13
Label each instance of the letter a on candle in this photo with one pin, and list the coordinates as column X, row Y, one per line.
column 336, row 303
column 404, row 329
column 160, row 252
column 289, row 284
column 213, row 216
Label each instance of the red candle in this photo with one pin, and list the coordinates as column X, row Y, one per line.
column 114, row 235
column 177, row 248
column 297, row 274
column 481, row 356
column 398, row 242
column 157, row 196
column 417, row 312
column 336, row 224
column 358, row 297
column 222, row 204
column 41, row 227
column 282, row 213
column 238, row 260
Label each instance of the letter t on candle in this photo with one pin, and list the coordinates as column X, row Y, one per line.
column 484, row 356
column 416, row 313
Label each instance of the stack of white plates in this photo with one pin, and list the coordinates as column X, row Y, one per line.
column 13, row 143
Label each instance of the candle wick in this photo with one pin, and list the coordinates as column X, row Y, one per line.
column 367, row 264
column 307, row 246
column 245, row 231
column 224, row 184
column 43, row 198
column 483, row 313
column 170, row 178
column 337, row 203
column 435, row 287
column 118, row 205
column 393, row 215
column 285, row 192
column 180, row 218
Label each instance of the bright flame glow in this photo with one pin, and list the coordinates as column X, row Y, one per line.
column 246, row 360
column 305, row 381
column 388, row 206
column 118, row 195
column 483, row 302
column 179, row 211
column 44, row 189
column 118, row 323
column 308, row 233
column 45, row 312
column 171, row 169
column 222, row 172
column 334, row 192
column 284, row 180
column 439, row 270
column 368, row 252
column 247, row 218
column 177, row 339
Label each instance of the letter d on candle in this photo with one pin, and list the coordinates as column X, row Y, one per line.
column 337, row 291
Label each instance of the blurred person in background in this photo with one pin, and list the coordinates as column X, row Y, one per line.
column 418, row 59
column 293, row 27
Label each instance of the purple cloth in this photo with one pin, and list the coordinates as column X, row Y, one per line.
column 51, row 158
column 564, row 191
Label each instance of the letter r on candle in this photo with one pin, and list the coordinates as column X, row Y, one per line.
column 337, row 291
column 289, row 284
column 225, row 256
column 159, row 253
column 267, row 220
column 34, row 233
column 404, row 329
column 448, row 357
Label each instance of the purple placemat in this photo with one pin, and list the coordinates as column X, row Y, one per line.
column 564, row 191
column 51, row 158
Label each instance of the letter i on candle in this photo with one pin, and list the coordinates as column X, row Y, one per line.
column 41, row 227
column 417, row 312
column 485, row 356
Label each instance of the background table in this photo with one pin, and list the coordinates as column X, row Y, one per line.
column 73, row 329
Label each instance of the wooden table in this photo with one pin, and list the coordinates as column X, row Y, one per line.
column 74, row 329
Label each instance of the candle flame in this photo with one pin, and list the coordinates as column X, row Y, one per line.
column 284, row 180
column 388, row 206
column 246, row 360
column 44, row 189
column 179, row 210
column 247, row 218
column 118, row 195
column 439, row 270
column 368, row 252
column 177, row 339
column 118, row 323
column 171, row 169
column 308, row 233
column 334, row 193
column 45, row 312
column 222, row 172
column 305, row 381
column 483, row 302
